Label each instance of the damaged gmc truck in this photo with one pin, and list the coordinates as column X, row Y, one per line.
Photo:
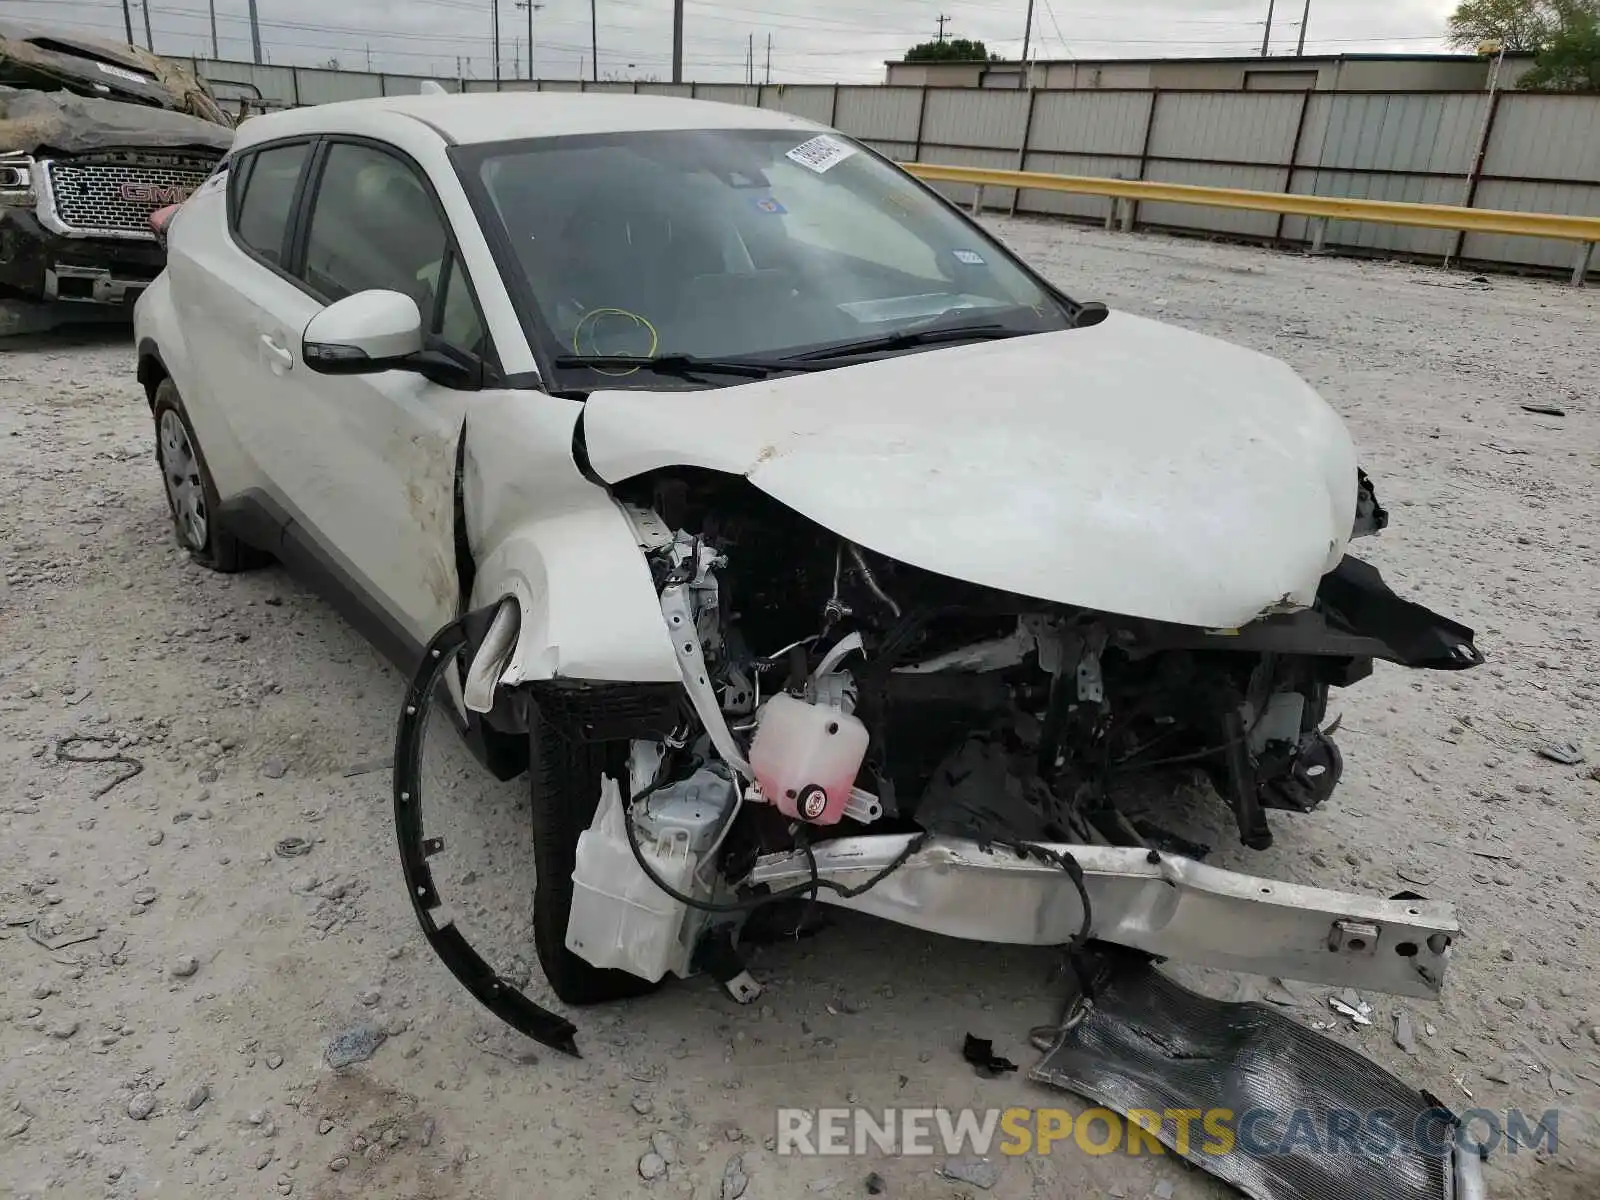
column 95, row 137
column 795, row 538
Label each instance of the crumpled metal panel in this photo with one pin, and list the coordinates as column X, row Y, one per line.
column 1148, row 1043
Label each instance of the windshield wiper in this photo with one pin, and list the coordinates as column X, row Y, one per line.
column 908, row 339
column 682, row 364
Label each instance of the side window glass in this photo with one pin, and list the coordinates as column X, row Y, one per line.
column 373, row 225
column 267, row 201
column 460, row 324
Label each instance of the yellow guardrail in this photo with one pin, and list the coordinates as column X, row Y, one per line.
column 1583, row 230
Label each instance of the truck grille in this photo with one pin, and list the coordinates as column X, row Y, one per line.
column 114, row 200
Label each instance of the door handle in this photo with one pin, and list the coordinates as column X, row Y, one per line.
column 280, row 360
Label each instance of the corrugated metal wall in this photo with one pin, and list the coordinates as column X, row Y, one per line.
column 1542, row 152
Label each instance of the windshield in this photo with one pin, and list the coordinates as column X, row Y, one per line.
column 736, row 243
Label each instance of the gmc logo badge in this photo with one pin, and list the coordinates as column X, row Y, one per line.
column 153, row 195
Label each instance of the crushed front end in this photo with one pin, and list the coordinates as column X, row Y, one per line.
column 950, row 757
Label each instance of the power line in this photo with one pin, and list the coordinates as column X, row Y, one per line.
column 168, row 13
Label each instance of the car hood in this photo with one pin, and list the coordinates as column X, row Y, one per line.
column 63, row 123
column 1130, row 467
column 47, row 59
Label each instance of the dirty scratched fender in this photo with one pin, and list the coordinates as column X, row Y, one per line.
column 539, row 531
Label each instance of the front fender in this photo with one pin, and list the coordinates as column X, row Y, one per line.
column 589, row 606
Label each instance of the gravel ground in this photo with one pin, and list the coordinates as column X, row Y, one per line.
column 172, row 1043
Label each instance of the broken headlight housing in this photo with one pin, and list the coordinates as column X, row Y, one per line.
column 16, row 179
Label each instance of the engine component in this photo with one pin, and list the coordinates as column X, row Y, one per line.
column 806, row 757
column 620, row 916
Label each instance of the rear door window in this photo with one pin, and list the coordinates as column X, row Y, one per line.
column 264, row 206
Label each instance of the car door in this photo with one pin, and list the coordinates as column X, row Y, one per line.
column 235, row 300
column 366, row 464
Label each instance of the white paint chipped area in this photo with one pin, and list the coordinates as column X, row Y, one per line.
column 105, row 629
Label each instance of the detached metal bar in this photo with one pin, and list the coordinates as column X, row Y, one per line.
column 1160, row 903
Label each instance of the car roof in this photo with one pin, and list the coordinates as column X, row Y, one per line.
column 504, row 116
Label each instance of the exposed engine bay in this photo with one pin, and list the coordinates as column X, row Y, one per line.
column 834, row 692
column 856, row 731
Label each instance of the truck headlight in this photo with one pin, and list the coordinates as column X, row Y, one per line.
column 16, row 180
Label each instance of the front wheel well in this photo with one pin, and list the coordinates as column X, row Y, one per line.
column 151, row 370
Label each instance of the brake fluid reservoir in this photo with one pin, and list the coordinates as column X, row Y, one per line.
column 806, row 757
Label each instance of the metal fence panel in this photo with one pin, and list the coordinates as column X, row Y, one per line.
column 275, row 83
column 885, row 113
column 318, row 86
column 1065, row 204
column 1580, row 199
column 1403, row 132
column 1090, row 122
column 1362, row 235
column 1232, row 222
column 411, row 85
column 960, row 156
column 1238, row 127
column 728, row 93
column 682, row 90
column 813, row 102
column 975, row 118
column 1546, row 137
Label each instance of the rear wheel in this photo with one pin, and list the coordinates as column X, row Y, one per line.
column 565, row 777
column 191, row 493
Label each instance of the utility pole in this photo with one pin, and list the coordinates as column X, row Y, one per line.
column 530, row 6
column 769, row 58
column 1027, row 34
column 149, row 38
column 127, row 20
column 255, row 33
column 516, row 58
column 1266, row 40
column 215, row 54
column 677, row 41
column 594, row 43
column 1305, row 19
column 369, row 58
column 495, row 22
column 942, row 21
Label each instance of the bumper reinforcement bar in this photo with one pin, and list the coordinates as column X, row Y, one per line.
column 1164, row 905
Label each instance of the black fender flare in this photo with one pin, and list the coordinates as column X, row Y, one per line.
column 487, row 986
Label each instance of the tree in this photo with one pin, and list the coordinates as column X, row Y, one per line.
column 1563, row 36
column 1518, row 25
column 954, row 50
column 1570, row 60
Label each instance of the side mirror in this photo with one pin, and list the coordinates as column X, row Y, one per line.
column 363, row 334
column 1090, row 313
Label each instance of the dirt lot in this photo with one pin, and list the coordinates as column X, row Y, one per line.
column 213, row 970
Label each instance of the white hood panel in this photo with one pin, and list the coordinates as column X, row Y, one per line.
column 1132, row 467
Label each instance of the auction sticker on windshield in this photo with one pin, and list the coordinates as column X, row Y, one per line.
column 821, row 153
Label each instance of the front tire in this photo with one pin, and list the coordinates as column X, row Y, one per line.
column 191, row 492
column 565, row 777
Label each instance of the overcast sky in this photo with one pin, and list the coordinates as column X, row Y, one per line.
column 813, row 41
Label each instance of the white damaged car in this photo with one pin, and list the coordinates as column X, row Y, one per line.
column 793, row 536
